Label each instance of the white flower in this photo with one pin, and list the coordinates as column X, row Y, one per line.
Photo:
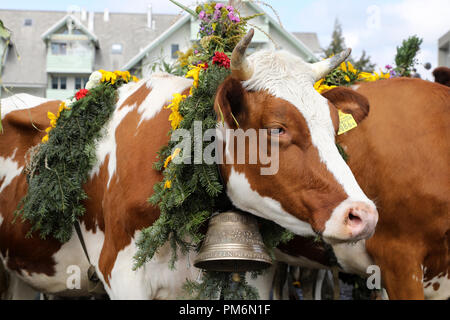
column 95, row 77
column 91, row 84
column 69, row 102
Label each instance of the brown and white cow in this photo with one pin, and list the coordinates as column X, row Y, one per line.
column 313, row 191
column 400, row 156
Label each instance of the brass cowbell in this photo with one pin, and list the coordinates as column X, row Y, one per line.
column 233, row 244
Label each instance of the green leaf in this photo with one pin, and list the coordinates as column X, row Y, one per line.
column 191, row 12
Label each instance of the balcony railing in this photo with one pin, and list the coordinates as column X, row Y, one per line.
column 70, row 63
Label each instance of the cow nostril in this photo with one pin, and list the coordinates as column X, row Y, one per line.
column 354, row 218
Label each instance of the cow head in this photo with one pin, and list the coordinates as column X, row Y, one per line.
column 313, row 190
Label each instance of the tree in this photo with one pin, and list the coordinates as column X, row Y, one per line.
column 337, row 41
column 405, row 59
column 338, row 44
column 364, row 63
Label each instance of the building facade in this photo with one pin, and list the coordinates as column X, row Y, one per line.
column 51, row 54
column 444, row 50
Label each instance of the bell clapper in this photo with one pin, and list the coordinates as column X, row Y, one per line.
column 236, row 277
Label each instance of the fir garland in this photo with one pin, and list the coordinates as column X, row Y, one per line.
column 190, row 193
column 61, row 164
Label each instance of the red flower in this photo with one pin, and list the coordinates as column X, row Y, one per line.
column 221, row 59
column 81, row 94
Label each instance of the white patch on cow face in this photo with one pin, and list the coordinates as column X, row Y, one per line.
column 246, row 199
column 288, row 77
column 443, row 291
column 9, row 170
column 21, row 101
column 154, row 280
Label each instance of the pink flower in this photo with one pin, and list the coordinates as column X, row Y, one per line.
column 233, row 18
column 217, row 14
column 219, row 6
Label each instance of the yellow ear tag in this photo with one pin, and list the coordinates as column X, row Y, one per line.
column 346, row 122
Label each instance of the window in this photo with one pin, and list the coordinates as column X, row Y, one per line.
column 77, row 83
column 85, row 80
column 27, row 22
column 80, row 82
column 54, row 82
column 175, row 49
column 63, row 83
column 59, row 48
column 116, row 48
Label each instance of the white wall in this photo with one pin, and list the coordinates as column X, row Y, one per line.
column 164, row 50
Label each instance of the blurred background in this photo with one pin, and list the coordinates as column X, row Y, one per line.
column 53, row 46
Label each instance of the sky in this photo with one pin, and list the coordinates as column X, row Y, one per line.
column 377, row 26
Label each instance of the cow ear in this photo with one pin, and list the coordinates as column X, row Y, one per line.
column 349, row 101
column 230, row 102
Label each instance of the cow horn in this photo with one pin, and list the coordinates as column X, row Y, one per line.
column 240, row 67
column 322, row 68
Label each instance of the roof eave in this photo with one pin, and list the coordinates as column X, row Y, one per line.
column 130, row 64
column 294, row 41
column 46, row 35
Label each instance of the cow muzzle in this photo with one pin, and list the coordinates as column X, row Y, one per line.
column 351, row 221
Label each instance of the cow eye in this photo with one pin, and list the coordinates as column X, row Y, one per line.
column 277, row 131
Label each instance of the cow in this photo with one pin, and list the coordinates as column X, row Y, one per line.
column 442, row 76
column 399, row 155
column 313, row 191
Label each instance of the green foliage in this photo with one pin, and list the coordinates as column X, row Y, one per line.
column 195, row 188
column 363, row 63
column 190, row 193
column 405, row 59
column 60, row 167
column 220, row 285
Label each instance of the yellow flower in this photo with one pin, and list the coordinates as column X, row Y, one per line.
column 108, row 76
column 318, row 84
column 168, row 159
column 321, row 87
column 171, row 157
column 343, row 67
column 175, row 119
column 177, row 98
column 135, row 79
column 194, row 73
column 365, row 76
column 347, row 78
column 51, row 115
column 48, row 129
column 351, row 68
column 45, row 139
column 168, row 184
column 384, row 75
column 176, row 152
